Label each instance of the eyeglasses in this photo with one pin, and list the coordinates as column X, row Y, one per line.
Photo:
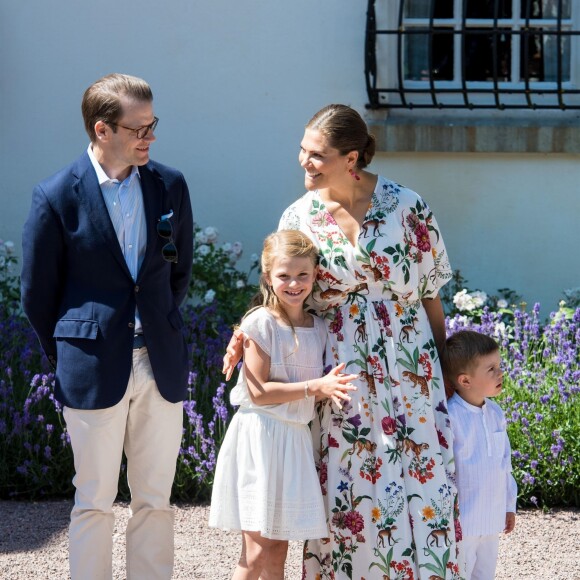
column 140, row 132
column 165, row 231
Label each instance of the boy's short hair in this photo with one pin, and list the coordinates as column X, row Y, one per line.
column 461, row 352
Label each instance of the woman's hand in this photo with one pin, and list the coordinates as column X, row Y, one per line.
column 234, row 352
column 335, row 385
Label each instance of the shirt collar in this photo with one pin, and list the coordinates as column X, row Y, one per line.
column 469, row 406
column 101, row 175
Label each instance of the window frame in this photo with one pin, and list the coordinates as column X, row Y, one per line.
column 385, row 54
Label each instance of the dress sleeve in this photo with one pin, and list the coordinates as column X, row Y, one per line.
column 434, row 268
column 291, row 219
column 258, row 326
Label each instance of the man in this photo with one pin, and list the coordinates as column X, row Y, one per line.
column 107, row 254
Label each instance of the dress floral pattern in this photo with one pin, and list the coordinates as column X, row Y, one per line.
column 385, row 461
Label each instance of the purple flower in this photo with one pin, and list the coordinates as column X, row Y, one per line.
column 355, row 421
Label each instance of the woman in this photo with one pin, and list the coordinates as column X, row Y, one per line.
column 385, row 460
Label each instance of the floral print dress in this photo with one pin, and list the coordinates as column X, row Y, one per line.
column 385, row 461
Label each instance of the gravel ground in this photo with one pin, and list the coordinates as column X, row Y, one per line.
column 33, row 544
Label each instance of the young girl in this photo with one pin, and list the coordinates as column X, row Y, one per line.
column 265, row 482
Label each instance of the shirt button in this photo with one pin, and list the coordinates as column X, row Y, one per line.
column 130, row 246
column 131, row 325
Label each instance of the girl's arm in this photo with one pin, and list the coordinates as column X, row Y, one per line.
column 233, row 353
column 436, row 317
column 334, row 385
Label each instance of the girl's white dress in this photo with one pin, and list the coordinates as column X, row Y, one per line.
column 265, row 477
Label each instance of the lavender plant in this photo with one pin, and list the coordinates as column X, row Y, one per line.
column 541, row 392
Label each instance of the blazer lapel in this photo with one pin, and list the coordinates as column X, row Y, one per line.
column 153, row 188
column 89, row 192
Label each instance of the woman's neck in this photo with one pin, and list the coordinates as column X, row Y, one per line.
column 350, row 193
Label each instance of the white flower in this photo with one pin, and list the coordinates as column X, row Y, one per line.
column 466, row 302
column 502, row 303
column 463, row 301
column 227, row 247
column 233, row 259
column 479, row 298
column 499, row 330
column 211, row 234
column 9, row 246
column 254, row 258
column 209, row 296
column 240, row 284
column 203, row 250
column 201, row 238
column 237, row 248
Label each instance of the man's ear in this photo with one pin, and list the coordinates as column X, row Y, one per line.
column 463, row 381
column 101, row 130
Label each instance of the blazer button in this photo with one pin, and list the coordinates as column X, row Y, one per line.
column 131, row 325
column 136, row 288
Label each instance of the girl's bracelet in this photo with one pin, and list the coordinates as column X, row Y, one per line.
column 306, row 393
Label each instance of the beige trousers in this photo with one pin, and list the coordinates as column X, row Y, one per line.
column 149, row 429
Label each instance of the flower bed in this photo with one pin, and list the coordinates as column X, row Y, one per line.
column 541, row 392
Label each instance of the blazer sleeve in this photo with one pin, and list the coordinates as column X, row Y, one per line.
column 181, row 271
column 42, row 270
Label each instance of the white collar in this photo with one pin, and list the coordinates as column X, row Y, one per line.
column 101, row 175
column 469, row 406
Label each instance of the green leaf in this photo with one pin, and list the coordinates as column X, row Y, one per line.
column 446, row 558
column 416, row 357
column 382, row 568
column 371, row 245
column 347, row 569
column 433, row 568
column 348, row 436
column 407, row 365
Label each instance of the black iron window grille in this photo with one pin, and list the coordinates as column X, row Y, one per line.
column 473, row 54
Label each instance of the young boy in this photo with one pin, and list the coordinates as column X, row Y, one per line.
column 486, row 488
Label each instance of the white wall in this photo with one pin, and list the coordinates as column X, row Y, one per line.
column 234, row 83
column 507, row 220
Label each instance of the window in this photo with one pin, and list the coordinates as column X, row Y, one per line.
column 473, row 54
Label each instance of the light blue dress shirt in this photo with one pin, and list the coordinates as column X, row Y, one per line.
column 124, row 201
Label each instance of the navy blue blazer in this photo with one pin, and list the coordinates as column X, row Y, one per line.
column 79, row 295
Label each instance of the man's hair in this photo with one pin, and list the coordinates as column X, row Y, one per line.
column 461, row 352
column 102, row 100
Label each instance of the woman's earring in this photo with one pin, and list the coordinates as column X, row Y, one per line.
column 354, row 174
